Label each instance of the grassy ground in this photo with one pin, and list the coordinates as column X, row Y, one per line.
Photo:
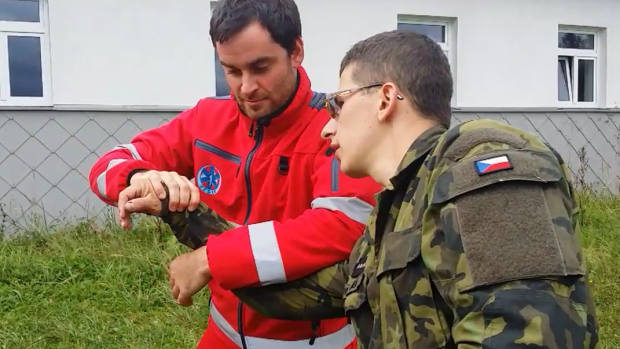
column 601, row 242
column 108, row 289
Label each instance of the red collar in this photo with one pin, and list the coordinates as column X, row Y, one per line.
column 280, row 122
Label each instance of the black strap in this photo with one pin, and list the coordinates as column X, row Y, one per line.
column 283, row 165
column 315, row 331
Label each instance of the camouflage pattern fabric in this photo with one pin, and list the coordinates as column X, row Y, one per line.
column 192, row 229
column 456, row 256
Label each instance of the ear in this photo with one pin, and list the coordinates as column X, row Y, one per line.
column 388, row 97
column 297, row 56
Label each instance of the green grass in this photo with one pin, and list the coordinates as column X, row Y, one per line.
column 88, row 288
column 94, row 289
column 600, row 231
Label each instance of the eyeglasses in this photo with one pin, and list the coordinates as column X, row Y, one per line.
column 332, row 106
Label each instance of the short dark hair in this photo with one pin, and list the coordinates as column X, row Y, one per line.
column 279, row 17
column 414, row 62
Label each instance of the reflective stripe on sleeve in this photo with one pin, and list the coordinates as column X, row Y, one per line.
column 266, row 252
column 354, row 208
column 131, row 149
column 336, row 340
column 101, row 179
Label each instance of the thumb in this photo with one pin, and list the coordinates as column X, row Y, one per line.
column 124, row 197
column 143, row 205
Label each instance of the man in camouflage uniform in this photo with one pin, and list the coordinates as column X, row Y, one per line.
column 474, row 242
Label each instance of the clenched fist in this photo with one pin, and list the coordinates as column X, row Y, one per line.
column 189, row 273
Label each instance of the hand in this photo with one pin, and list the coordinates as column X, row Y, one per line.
column 140, row 197
column 183, row 194
column 189, row 273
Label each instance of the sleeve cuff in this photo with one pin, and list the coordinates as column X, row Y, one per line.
column 231, row 260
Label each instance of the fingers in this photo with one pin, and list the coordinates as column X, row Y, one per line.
column 156, row 178
column 123, row 198
column 125, row 221
column 142, row 205
column 175, row 292
column 181, row 191
column 184, row 299
column 185, row 192
column 173, row 189
column 129, row 193
column 194, row 196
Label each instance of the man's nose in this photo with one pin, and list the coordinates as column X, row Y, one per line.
column 329, row 130
column 248, row 85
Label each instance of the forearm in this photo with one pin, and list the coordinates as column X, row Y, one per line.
column 272, row 252
column 317, row 296
column 192, row 229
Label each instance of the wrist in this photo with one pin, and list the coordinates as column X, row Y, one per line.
column 134, row 175
column 204, row 270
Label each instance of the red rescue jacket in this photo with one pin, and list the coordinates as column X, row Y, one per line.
column 278, row 180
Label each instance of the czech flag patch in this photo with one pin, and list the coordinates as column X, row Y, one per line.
column 493, row 164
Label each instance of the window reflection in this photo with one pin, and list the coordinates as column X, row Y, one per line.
column 576, row 41
column 437, row 32
column 221, row 86
column 564, row 80
column 585, row 88
column 25, row 70
column 19, row 11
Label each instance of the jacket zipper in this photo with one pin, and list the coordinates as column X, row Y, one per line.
column 258, row 134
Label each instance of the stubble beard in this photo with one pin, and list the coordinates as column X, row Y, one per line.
column 289, row 88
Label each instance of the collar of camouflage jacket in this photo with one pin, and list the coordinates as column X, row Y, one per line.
column 414, row 158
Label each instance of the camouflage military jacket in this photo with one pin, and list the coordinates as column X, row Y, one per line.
column 475, row 245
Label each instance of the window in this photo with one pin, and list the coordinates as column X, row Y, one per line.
column 441, row 30
column 437, row 32
column 23, row 66
column 577, row 68
column 221, row 86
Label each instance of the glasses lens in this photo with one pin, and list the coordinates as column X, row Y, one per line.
column 332, row 107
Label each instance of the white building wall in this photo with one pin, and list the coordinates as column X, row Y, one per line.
column 158, row 52
column 130, row 52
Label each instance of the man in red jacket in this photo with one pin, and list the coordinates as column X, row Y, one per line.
column 259, row 161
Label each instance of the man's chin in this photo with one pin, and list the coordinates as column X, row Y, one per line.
column 257, row 113
column 351, row 171
column 251, row 109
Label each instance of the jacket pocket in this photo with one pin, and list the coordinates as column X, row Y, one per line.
column 399, row 249
column 217, row 151
column 403, row 276
column 355, row 294
column 357, row 308
column 216, row 171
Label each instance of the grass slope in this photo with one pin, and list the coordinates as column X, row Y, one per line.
column 82, row 288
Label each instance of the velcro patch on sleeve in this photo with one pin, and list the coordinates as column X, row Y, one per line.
column 508, row 233
column 512, row 223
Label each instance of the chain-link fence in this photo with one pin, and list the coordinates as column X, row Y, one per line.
column 45, row 156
